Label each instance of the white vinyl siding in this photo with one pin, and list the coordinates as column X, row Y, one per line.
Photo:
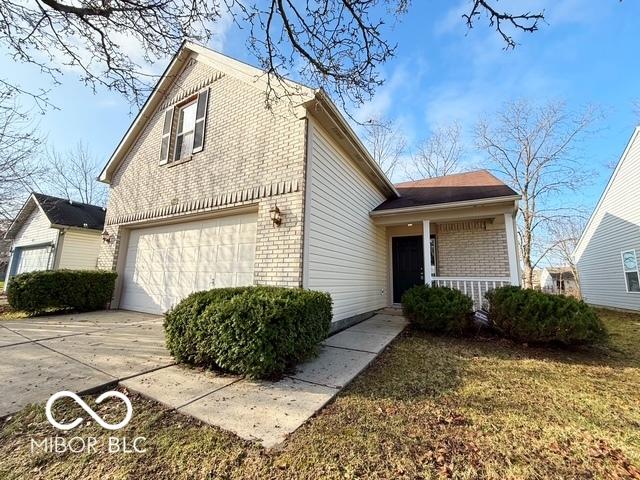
column 79, row 250
column 35, row 230
column 166, row 263
column 613, row 228
column 345, row 252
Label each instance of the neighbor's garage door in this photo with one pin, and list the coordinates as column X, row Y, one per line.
column 165, row 264
column 30, row 259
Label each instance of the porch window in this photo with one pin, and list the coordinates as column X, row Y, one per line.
column 630, row 267
column 432, row 244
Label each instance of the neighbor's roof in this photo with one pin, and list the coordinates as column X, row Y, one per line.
column 560, row 271
column 459, row 187
column 61, row 213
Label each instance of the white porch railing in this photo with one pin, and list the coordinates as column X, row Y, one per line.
column 474, row 287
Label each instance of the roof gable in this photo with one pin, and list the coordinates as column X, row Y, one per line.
column 158, row 97
column 60, row 213
column 592, row 223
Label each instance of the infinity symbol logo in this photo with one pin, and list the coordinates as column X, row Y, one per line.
column 86, row 408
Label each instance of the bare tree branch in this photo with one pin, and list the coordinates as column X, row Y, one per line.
column 438, row 155
column 73, row 175
column 19, row 147
column 535, row 150
column 525, row 22
column 335, row 44
column 387, row 145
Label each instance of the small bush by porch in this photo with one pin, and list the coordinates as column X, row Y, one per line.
column 522, row 315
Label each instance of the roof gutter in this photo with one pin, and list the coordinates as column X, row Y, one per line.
column 444, row 206
column 338, row 119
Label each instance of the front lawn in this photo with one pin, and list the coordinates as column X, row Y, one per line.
column 429, row 407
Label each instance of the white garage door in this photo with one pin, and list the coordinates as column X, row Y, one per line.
column 165, row 264
column 31, row 259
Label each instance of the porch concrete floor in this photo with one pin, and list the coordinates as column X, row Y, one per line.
column 269, row 411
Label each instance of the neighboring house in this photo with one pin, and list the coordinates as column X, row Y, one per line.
column 558, row 280
column 5, row 248
column 50, row 233
column 208, row 188
column 608, row 251
column 535, row 278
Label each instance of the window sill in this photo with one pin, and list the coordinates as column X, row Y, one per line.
column 179, row 162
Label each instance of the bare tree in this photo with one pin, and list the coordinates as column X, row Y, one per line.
column 564, row 235
column 438, row 155
column 19, row 147
column 73, row 175
column 337, row 44
column 386, row 143
column 535, row 149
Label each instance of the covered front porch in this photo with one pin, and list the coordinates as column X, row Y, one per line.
column 470, row 247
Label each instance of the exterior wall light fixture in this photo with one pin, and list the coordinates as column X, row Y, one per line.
column 106, row 238
column 276, row 216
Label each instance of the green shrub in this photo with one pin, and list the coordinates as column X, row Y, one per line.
column 528, row 315
column 438, row 309
column 81, row 290
column 255, row 331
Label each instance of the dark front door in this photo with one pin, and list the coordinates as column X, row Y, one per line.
column 408, row 264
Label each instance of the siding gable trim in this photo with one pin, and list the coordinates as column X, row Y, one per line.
column 579, row 250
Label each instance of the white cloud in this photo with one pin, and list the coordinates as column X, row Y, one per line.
column 220, row 31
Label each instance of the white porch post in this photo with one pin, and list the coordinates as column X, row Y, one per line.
column 511, row 249
column 426, row 243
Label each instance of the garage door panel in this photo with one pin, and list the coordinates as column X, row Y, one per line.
column 226, row 253
column 165, row 264
column 224, row 280
column 189, row 254
column 208, row 254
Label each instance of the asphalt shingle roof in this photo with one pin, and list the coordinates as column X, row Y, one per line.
column 70, row 213
column 458, row 187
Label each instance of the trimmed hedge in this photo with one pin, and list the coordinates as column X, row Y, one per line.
column 438, row 309
column 81, row 290
column 255, row 331
column 527, row 315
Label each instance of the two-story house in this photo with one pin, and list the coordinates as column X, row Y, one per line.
column 209, row 188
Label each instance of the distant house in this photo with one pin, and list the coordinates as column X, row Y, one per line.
column 5, row 247
column 558, row 280
column 608, row 251
column 51, row 233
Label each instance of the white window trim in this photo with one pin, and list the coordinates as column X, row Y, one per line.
column 625, row 271
column 180, row 109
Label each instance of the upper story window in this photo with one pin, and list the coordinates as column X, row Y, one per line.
column 185, row 123
column 630, row 266
column 185, row 132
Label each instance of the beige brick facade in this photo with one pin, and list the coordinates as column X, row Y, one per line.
column 474, row 251
column 251, row 156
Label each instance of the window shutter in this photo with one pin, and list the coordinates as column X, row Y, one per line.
column 201, row 118
column 166, row 136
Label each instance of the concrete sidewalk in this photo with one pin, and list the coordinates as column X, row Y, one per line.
column 269, row 411
column 78, row 352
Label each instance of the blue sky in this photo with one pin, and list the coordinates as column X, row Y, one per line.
column 587, row 53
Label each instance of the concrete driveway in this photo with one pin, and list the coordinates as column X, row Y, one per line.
column 77, row 352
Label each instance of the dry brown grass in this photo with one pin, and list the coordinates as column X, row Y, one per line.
column 429, row 407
